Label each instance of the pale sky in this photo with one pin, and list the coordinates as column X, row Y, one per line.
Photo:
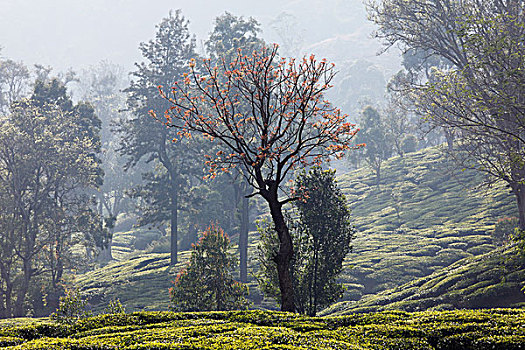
column 79, row 33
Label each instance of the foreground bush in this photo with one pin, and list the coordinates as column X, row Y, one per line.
column 482, row 329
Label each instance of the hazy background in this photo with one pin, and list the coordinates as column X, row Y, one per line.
column 75, row 34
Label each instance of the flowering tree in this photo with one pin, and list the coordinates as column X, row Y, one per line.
column 288, row 125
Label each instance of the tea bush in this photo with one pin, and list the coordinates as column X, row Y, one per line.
column 499, row 329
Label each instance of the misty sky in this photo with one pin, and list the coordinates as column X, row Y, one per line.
column 79, row 33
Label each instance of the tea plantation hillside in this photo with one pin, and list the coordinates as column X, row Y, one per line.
column 494, row 279
column 423, row 217
column 483, row 329
column 420, row 220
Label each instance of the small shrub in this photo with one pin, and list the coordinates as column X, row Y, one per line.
column 71, row 307
column 409, row 143
column 115, row 307
column 504, row 230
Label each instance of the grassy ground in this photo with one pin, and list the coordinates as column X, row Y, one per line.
column 484, row 329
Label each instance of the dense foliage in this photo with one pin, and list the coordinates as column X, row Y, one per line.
column 478, row 91
column 72, row 306
column 48, row 169
column 321, row 233
column 206, row 283
column 145, row 140
column 430, row 223
column 289, row 124
column 376, row 134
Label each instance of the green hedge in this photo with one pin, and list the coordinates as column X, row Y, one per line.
column 499, row 329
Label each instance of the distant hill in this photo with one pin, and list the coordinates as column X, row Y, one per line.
column 422, row 219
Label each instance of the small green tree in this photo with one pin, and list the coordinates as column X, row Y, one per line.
column 376, row 135
column 321, row 235
column 71, row 307
column 115, row 307
column 206, row 283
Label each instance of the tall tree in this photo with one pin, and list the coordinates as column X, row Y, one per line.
column 102, row 85
column 482, row 95
column 14, row 83
column 229, row 35
column 325, row 221
column 143, row 138
column 47, row 166
column 289, row 125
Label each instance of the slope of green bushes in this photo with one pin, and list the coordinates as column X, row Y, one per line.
column 494, row 279
column 423, row 217
column 484, row 329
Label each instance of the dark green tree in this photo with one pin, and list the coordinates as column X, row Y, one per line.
column 146, row 139
column 231, row 33
column 322, row 234
column 206, row 283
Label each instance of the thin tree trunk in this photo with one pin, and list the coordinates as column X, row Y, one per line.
column 313, row 310
column 174, row 228
column 449, row 136
column 105, row 253
column 378, row 175
column 22, row 292
column 519, row 191
column 6, row 307
column 243, row 241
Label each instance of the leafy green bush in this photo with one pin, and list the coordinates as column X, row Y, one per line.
column 206, row 283
column 504, row 229
column 71, row 307
column 499, row 329
column 115, row 307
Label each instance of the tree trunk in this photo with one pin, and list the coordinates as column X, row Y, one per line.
column 6, row 308
column 284, row 255
column 174, row 228
column 22, row 292
column 449, row 136
column 378, row 175
column 313, row 310
column 519, row 191
column 105, row 253
column 243, row 240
